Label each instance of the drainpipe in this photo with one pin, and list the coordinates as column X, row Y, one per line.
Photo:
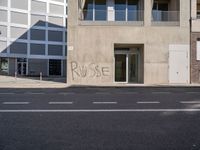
column 190, row 22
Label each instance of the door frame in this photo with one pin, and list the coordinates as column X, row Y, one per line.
column 127, row 53
column 16, row 66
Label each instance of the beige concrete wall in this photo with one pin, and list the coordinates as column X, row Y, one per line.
column 91, row 47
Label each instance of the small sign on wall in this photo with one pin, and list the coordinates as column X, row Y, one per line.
column 198, row 50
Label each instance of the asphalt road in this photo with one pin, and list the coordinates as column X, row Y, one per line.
column 100, row 119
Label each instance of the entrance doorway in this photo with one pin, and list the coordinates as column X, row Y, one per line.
column 55, row 67
column 127, row 66
column 21, row 66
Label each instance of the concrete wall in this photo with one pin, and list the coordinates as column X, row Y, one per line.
column 91, row 47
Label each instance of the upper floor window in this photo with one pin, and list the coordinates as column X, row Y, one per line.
column 95, row 10
column 128, row 10
column 111, row 10
column 165, row 10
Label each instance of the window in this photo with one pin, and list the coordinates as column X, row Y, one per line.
column 3, row 66
column 88, row 10
column 56, row 9
column 127, row 10
column 160, row 11
column 3, row 31
column 37, row 6
column 38, row 20
column 18, row 48
column 37, row 34
column 55, row 36
column 56, row 22
column 100, row 10
column 120, row 10
column 18, row 33
column 95, row 10
column 3, row 14
column 3, row 47
column 55, row 67
column 19, row 18
column 37, row 49
column 20, row 4
column 55, row 50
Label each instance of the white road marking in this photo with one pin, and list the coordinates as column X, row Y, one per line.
column 127, row 93
column 60, row 103
column 104, row 102
column 6, row 93
column 161, row 92
column 16, row 103
column 32, row 93
column 97, row 110
column 155, row 102
column 190, row 102
column 103, row 93
column 66, row 93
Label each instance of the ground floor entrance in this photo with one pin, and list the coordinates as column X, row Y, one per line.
column 22, row 66
column 128, row 66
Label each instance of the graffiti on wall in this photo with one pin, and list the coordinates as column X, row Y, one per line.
column 92, row 70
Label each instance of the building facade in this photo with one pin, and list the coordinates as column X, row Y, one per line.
column 33, row 37
column 114, row 42
column 195, row 41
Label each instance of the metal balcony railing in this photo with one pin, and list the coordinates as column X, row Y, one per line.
column 165, row 16
column 119, row 15
column 129, row 15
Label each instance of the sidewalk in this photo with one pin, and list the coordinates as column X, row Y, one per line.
column 34, row 82
column 31, row 82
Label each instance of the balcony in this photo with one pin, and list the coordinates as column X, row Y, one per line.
column 165, row 17
column 119, row 15
column 111, row 12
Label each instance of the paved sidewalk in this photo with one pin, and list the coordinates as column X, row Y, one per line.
column 29, row 82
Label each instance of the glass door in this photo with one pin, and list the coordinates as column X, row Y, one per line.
column 120, row 67
column 21, row 66
column 133, row 65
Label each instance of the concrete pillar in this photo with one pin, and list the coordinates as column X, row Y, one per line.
column 147, row 12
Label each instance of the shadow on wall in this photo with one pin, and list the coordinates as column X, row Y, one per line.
column 16, row 61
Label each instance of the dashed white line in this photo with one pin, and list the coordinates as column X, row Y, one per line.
column 60, row 103
column 190, row 102
column 102, row 93
column 66, row 93
column 127, row 93
column 16, row 103
column 161, row 92
column 153, row 102
column 104, row 102
column 32, row 93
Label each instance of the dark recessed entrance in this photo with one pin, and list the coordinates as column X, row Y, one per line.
column 129, row 65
